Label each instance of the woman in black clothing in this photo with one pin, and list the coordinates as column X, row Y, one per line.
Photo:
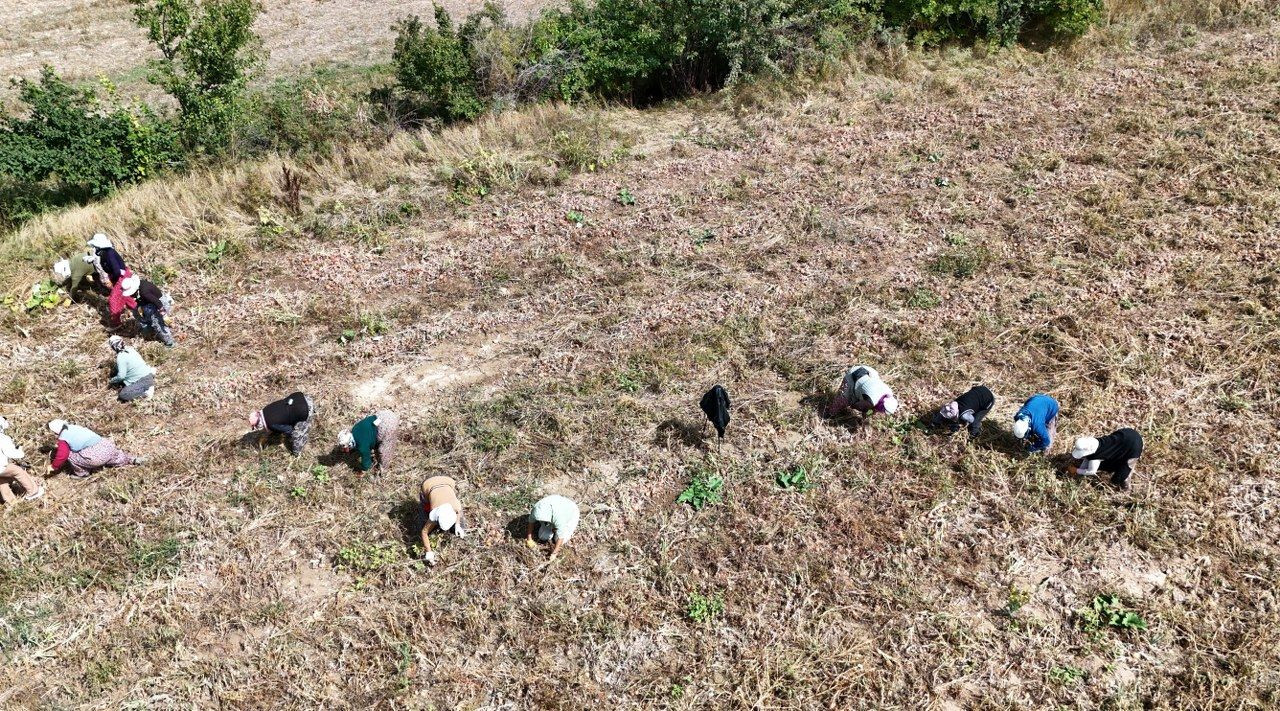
column 1116, row 453
column 968, row 409
column 291, row 416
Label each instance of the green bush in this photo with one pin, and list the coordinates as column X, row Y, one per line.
column 208, row 50
column 69, row 141
column 434, row 70
column 933, row 22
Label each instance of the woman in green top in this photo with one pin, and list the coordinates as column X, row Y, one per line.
column 375, row 432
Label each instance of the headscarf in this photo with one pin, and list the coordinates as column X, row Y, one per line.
column 951, row 410
column 444, row 516
column 346, row 440
column 62, row 269
column 99, row 241
column 1021, row 426
column 256, row 420
column 116, row 343
column 4, row 424
column 1084, row 447
column 57, row 426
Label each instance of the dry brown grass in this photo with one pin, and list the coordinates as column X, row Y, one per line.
column 1120, row 212
column 85, row 38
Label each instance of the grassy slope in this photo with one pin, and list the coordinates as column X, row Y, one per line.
column 1119, row 210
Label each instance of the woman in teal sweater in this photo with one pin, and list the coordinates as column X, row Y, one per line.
column 136, row 378
column 375, row 432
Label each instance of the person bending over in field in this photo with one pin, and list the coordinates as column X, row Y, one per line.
column 107, row 261
column 439, row 499
column 553, row 517
column 77, row 271
column 1037, row 423
column 375, row 433
column 135, row 378
column 967, row 410
column 11, row 473
column 863, row 390
column 1116, row 454
column 148, row 308
column 85, row 451
column 291, row 416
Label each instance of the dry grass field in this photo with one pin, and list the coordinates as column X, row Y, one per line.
column 85, row 38
column 1100, row 225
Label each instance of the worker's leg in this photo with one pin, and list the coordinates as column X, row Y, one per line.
column 298, row 438
column 6, row 493
column 388, row 434
column 975, row 427
column 139, row 389
column 15, row 473
column 160, row 327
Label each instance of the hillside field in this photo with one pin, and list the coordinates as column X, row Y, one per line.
column 545, row 295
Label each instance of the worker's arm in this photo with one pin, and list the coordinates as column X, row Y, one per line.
column 555, row 551
column 427, row 528
column 1042, row 437
column 528, row 540
column 60, row 456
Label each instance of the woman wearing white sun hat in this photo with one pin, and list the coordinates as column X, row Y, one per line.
column 439, row 499
column 1116, row 454
column 863, row 390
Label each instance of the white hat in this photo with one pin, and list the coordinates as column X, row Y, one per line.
column 4, row 424
column 56, row 426
column 889, row 404
column 62, row 269
column 1084, row 447
column 100, row 241
column 129, row 286
column 444, row 515
column 1021, row 426
column 346, row 439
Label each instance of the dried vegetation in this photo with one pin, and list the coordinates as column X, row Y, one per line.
column 1100, row 226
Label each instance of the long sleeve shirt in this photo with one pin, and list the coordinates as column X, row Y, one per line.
column 558, row 511
column 130, row 367
column 149, row 293
column 9, row 451
column 1040, row 410
column 73, row 439
column 365, row 434
column 82, row 266
column 284, row 414
column 111, row 263
column 1114, row 453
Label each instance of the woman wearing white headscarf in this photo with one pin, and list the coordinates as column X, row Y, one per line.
column 85, row 450
column 136, row 378
column 11, row 473
column 863, row 390
column 553, row 517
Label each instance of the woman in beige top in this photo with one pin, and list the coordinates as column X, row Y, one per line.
column 439, row 497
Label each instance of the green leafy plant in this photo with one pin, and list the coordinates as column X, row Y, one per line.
column 704, row 489
column 1016, row 599
column 702, row 609
column 433, row 70
column 216, row 252
column 922, row 298
column 576, row 217
column 624, row 197
column 1066, row 675
column 1106, row 611
column 298, row 492
column 320, row 473
column 368, row 557
column 207, row 50
column 795, row 478
column 66, row 140
column 44, row 295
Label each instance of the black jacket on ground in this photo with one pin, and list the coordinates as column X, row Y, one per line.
column 283, row 415
column 1115, row 450
column 716, row 405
